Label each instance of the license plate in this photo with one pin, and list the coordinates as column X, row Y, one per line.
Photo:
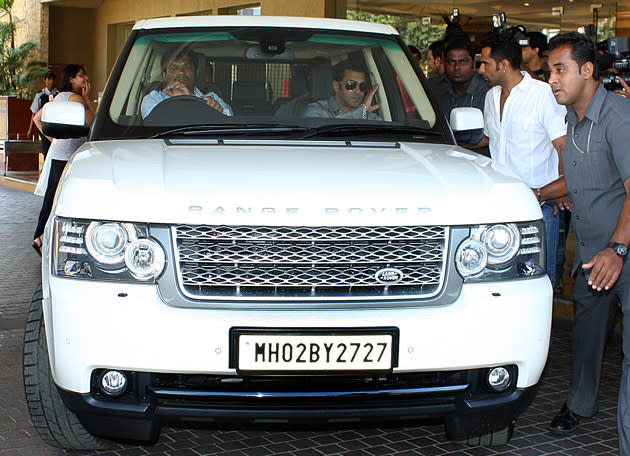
column 315, row 352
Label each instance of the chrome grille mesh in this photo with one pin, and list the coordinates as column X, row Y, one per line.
column 302, row 262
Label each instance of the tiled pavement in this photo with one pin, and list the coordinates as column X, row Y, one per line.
column 19, row 272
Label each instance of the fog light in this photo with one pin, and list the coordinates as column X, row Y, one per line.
column 113, row 383
column 499, row 378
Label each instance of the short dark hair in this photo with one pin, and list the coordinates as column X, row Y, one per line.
column 437, row 48
column 178, row 53
column 414, row 50
column 583, row 49
column 70, row 71
column 538, row 40
column 339, row 70
column 504, row 46
column 50, row 75
column 460, row 42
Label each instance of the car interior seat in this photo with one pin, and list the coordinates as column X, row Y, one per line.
column 320, row 89
column 249, row 98
column 298, row 85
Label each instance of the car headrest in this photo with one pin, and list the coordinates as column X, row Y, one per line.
column 321, row 82
column 249, row 90
column 298, row 84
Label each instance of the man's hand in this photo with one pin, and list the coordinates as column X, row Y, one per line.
column 367, row 101
column 605, row 268
column 175, row 88
column 213, row 104
column 626, row 88
column 563, row 204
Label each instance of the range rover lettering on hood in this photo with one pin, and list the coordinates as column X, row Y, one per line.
column 219, row 210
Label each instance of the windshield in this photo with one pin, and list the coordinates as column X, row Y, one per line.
column 298, row 82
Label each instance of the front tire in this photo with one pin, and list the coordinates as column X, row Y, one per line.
column 56, row 425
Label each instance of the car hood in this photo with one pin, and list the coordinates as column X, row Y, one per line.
column 289, row 183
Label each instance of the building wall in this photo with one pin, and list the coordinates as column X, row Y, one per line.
column 72, row 37
column 93, row 36
column 96, row 34
column 623, row 23
column 32, row 16
column 113, row 12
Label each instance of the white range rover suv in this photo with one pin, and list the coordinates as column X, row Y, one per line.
column 297, row 252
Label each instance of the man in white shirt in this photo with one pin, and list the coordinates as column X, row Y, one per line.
column 47, row 94
column 525, row 127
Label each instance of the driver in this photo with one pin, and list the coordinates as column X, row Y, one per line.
column 179, row 67
column 351, row 99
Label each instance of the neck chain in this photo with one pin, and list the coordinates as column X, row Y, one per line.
column 588, row 141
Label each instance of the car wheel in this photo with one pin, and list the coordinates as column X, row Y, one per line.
column 56, row 425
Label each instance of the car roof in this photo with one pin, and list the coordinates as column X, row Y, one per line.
column 264, row 21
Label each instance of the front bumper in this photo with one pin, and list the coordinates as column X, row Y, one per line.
column 442, row 356
column 92, row 325
column 139, row 418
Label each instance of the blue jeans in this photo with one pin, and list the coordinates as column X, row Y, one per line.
column 552, row 234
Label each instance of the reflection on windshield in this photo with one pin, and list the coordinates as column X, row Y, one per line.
column 229, row 77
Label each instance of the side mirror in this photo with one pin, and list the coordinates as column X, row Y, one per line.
column 64, row 119
column 466, row 119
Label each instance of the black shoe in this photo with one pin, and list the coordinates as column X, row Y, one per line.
column 565, row 422
column 37, row 246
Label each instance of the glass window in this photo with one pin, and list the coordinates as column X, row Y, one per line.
column 292, row 77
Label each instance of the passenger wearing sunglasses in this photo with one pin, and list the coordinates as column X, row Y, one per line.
column 352, row 97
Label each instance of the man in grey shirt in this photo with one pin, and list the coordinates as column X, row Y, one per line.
column 597, row 175
column 350, row 100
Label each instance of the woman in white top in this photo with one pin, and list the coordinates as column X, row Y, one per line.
column 76, row 87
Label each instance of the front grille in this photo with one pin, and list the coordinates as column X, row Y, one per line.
column 269, row 262
column 313, row 391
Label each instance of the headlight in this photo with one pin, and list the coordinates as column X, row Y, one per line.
column 106, row 251
column 106, row 242
column 472, row 257
column 501, row 242
column 144, row 258
column 502, row 251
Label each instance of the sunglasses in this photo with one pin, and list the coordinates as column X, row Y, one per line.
column 351, row 84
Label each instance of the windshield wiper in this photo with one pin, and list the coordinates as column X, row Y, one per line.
column 364, row 130
column 235, row 129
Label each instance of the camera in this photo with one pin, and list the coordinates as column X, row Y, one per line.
column 498, row 20
column 519, row 33
column 619, row 48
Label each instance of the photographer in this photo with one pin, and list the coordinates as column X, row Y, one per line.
column 614, row 64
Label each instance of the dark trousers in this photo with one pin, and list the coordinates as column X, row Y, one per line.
column 564, row 225
column 45, row 145
column 595, row 312
column 56, row 170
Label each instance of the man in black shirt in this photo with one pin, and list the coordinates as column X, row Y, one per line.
column 534, row 55
column 460, row 86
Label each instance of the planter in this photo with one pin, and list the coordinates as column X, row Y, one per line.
column 15, row 117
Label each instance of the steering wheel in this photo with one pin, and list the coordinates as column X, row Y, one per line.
column 182, row 110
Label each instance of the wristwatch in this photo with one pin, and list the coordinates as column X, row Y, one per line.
column 620, row 249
